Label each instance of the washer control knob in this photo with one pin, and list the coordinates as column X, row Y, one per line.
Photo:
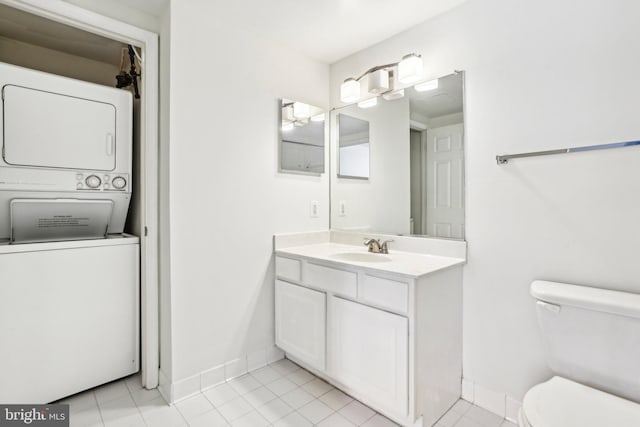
column 93, row 181
column 119, row 182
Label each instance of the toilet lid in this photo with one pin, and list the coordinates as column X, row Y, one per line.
column 560, row 402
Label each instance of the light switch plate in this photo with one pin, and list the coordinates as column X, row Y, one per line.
column 314, row 209
column 342, row 208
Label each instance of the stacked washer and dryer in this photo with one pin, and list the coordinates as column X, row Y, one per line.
column 69, row 293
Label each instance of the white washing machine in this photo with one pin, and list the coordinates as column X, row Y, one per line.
column 69, row 317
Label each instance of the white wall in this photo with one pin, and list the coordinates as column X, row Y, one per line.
column 539, row 75
column 227, row 199
column 367, row 201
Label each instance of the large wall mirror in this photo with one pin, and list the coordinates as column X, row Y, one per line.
column 301, row 145
column 415, row 158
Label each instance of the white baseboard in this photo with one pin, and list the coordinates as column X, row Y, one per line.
column 164, row 386
column 187, row 387
column 512, row 409
column 467, row 390
column 235, row 368
column 493, row 401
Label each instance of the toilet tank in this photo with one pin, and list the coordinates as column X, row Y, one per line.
column 591, row 335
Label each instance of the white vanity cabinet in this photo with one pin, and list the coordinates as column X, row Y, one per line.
column 391, row 340
column 300, row 322
column 369, row 353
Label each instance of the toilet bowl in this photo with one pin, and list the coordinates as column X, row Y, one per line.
column 591, row 339
column 560, row 402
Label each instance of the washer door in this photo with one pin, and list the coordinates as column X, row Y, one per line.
column 45, row 129
column 54, row 220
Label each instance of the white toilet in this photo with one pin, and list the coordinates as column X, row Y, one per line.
column 592, row 343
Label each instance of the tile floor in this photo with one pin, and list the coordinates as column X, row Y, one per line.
column 279, row 395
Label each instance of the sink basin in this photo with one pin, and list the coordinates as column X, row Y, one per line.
column 359, row 257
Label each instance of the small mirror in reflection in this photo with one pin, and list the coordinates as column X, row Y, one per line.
column 353, row 153
column 301, row 138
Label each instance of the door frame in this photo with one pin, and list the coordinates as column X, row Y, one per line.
column 74, row 16
column 424, row 171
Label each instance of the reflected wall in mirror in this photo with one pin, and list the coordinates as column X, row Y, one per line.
column 416, row 179
column 301, row 142
column 353, row 147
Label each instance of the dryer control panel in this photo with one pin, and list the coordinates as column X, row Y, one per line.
column 30, row 179
column 104, row 182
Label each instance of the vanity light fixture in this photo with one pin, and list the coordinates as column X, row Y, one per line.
column 425, row 86
column 301, row 110
column 298, row 114
column 379, row 81
column 409, row 69
column 287, row 126
column 350, row 90
column 396, row 94
column 368, row 103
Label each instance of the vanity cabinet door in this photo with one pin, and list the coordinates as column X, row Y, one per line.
column 368, row 353
column 300, row 323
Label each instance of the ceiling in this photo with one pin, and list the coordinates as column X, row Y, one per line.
column 152, row 7
column 326, row 30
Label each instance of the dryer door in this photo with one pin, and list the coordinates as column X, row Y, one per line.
column 45, row 129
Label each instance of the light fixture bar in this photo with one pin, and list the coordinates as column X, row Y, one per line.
column 410, row 70
column 350, row 90
column 379, row 81
column 376, row 68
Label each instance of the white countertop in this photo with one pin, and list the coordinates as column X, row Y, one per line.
column 406, row 263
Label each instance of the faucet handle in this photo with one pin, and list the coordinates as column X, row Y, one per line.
column 373, row 244
column 384, row 247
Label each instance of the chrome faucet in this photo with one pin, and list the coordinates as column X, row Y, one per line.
column 376, row 247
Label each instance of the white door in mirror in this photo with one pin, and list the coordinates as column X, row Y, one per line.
column 445, row 191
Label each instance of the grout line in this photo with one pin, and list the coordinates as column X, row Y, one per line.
column 100, row 412
column 134, row 401
column 93, row 393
